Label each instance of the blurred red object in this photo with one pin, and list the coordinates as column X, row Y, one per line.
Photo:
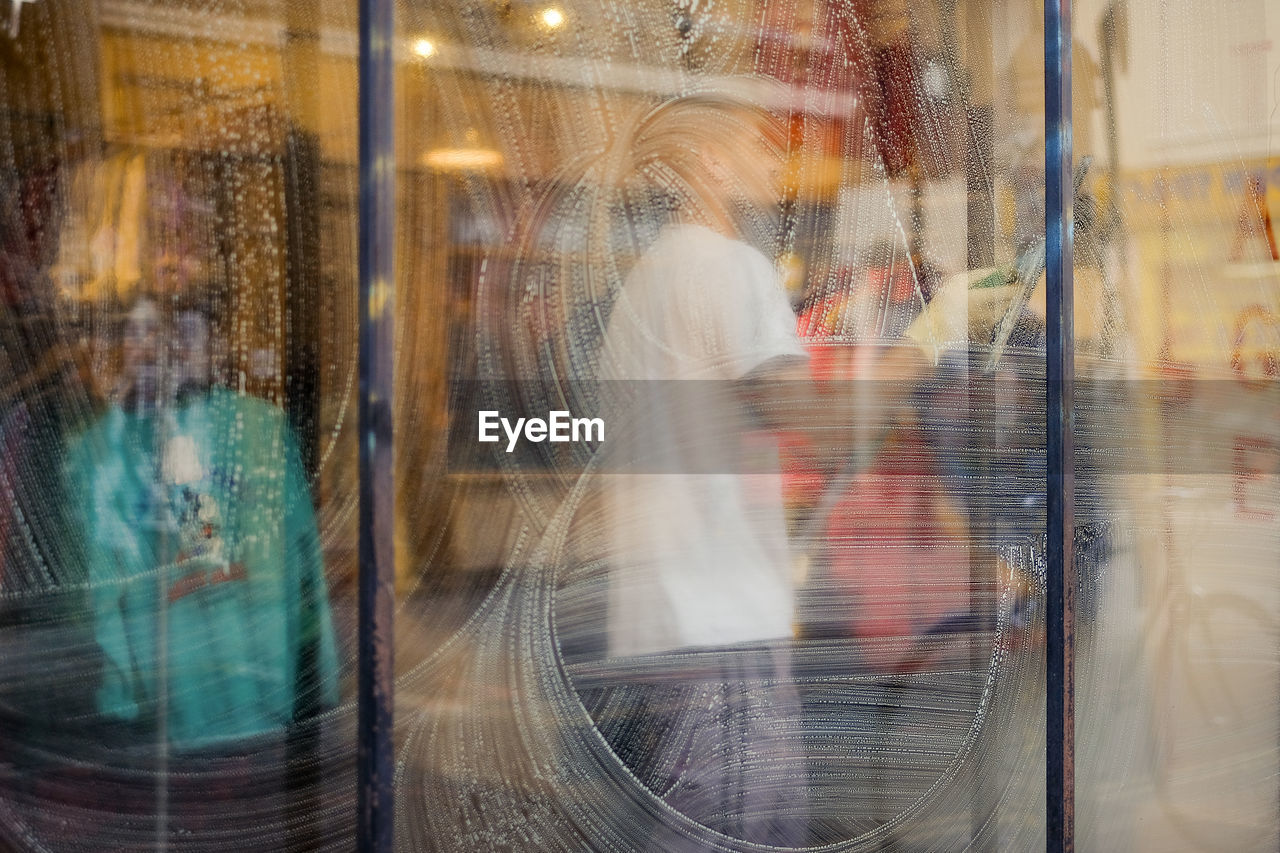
column 896, row 547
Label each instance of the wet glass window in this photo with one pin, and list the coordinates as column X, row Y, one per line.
column 720, row 464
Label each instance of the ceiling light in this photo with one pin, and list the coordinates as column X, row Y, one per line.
column 551, row 17
column 424, row 48
column 463, row 159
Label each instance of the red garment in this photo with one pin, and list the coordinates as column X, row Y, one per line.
column 896, row 546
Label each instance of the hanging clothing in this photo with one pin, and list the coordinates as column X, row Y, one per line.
column 205, row 568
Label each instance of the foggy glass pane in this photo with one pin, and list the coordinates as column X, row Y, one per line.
column 793, row 597
column 719, row 425
column 1177, row 300
column 177, row 257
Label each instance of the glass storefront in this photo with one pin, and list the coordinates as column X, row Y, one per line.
column 720, row 465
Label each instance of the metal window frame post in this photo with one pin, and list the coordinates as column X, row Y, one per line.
column 375, row 758
column 1060, row 464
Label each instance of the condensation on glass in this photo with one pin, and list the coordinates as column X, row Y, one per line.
column 177, row 183
column 780, row 266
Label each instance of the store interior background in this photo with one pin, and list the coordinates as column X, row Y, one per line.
column 212, row 146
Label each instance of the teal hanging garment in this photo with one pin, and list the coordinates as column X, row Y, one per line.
column 206, row 570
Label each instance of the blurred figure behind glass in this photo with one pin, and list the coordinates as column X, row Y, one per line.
column 700, row 595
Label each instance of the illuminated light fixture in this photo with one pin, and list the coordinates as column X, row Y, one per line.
column 463, row 159
column 424, row 48
column 552, row 18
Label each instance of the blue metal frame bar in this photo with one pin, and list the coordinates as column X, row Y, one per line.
column 375, row 759
column 1060, row 467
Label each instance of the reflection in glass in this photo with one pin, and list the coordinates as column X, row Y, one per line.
column 791, row 598
column 173, row 617
column 790, row 256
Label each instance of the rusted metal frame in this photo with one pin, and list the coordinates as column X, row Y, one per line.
column 375, row 759
column 1060, row 464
